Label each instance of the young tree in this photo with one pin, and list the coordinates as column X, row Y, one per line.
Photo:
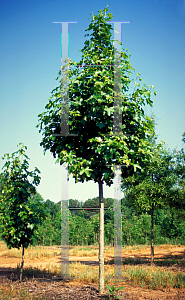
column 19, row 214
column 153, row 188
column 1, row 183
column 1, row 188
column 91, row 95
column 178, row 202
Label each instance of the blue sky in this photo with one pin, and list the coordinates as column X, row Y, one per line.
column 30, row 58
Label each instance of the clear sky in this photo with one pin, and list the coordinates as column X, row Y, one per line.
column 30, row 58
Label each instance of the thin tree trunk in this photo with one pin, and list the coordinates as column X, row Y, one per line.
column 130, row 240
column 22, row 264
column 152, row 236
column 101, row 238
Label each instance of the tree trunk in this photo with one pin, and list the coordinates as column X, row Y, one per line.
column 22, row 264
column 130, row 240
column 152, row 236
column 77, row 237
column 101, row 238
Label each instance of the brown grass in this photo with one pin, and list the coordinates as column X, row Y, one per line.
column 140, row 276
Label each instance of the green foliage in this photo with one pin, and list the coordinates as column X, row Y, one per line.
column 52, row 208
column 179, row 189
column 136, row 227
column 91, row 91
column 46, row 234
column 154, row 186
column 167, row 191
column 112, row 291
column 21, row 208
column 1, row 183
column 78, row 230
column 92, row 203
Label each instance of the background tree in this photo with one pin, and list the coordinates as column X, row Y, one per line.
column 152, row 188
column 1, row 188
column 136, row 226
column 19, row 214
column 91, row 95
column 1, row 183
column 52, row 208
column 178, row 202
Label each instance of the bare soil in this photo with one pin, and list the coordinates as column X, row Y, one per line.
column 65, row 289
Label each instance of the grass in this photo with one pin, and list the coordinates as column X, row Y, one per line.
column 86, row 251
column 143, row 276
column 45, row 251
column 8, row 292
column 151, row 279
column 31, row 252
column 155, row 279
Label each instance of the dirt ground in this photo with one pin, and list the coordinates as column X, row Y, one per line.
column 64, row 289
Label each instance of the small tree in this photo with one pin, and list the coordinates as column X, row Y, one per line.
column 19, row 214
column 153, row 188
column 91, row 95
column 178, row 202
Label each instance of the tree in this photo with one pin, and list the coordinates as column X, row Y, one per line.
column 46, row 233
column 52, row 208
column 178, row 202
column 19, row 214
column 1, row 188
column 152, row 188
column 91, row 94
column 1, row 183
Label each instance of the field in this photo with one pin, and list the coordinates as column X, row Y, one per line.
column 164, row 280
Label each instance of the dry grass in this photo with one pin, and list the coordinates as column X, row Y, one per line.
column 150, row 278
column 45, row 251
column 30, row 252
column 87, row 251
column 144, row 276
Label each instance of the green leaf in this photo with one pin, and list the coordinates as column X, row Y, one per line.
column 31, row 226
column 101, row 125
column 136, row 167
column 120, row 288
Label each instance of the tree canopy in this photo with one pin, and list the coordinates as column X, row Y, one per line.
column 20, row 212
column 91, row 96
column 178, row 202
